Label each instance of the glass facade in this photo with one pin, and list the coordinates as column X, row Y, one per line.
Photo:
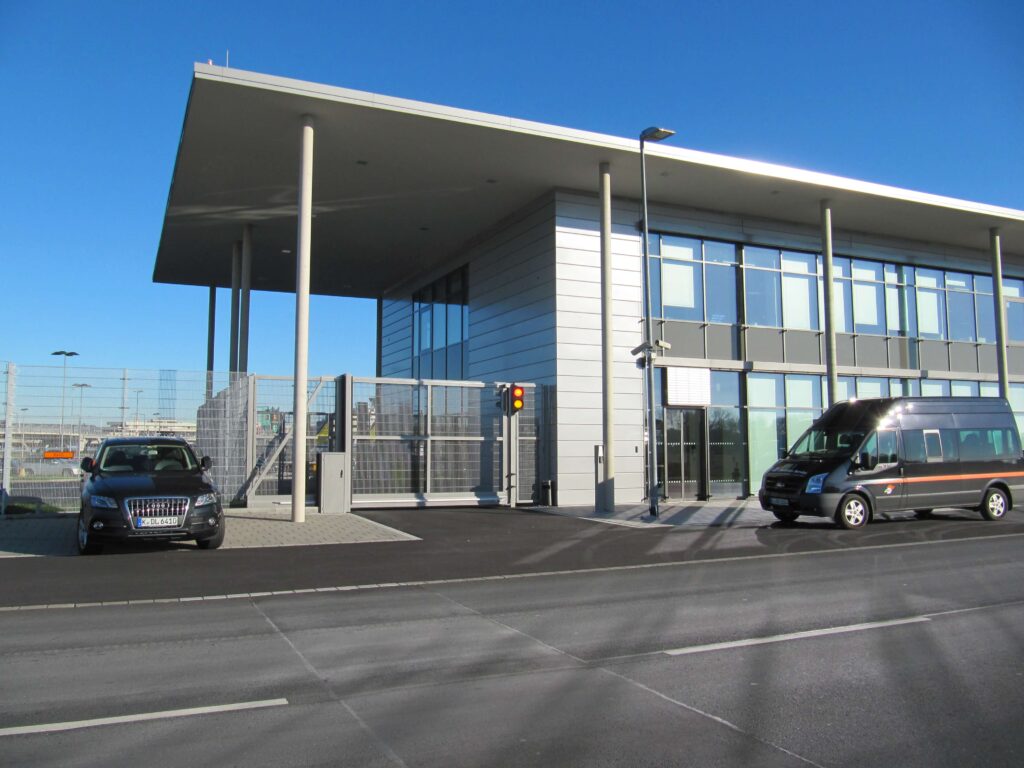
column 744, row 440
column 440, row 328
column 697, row 280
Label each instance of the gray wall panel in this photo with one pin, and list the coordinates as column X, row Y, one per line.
column 963, row 357
column 764, row 345
column 934, row 356
column 987, row 359
column 803, row 347
column 844, row 350
column 723, row 342
column 902, row 353
column 687, row 339
column 872, row 352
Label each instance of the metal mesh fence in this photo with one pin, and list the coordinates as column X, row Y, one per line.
column 54, row 416
column 408, row 438
column 437, row 439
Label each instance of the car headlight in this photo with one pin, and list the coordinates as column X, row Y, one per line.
column 815, row 483
column 206, row 499
column 104, row 502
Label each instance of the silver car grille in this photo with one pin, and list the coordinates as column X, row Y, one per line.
column 158, row 506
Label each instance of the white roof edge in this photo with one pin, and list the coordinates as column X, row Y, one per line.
column 697, row 157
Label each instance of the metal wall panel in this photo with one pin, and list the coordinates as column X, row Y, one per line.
column 687, row 339
column 803, row 347
column 872, row 352
column 963, row 356
column 765, row 345
column 934, row 355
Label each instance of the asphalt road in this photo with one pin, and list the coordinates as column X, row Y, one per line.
column 784, row 646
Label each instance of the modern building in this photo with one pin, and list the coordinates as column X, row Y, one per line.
column 502, row 249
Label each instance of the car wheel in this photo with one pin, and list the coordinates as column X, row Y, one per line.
column 853, row 512
column 785, row 517
column 995, row 504
column 87, row 545
column 214, row 541
column 922, row 514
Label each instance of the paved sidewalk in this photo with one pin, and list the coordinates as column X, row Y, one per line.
column 714, row 513
column 53, row 535
column 269, row 525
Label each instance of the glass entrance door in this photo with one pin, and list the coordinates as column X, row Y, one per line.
column 684, row 463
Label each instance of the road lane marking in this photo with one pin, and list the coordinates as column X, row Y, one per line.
column 141, row 717
column 527, row 575
column 793, row 636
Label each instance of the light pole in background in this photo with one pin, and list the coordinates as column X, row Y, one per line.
column 651, row 134
column 81, row 394
column 137, row 393
column 63, row 389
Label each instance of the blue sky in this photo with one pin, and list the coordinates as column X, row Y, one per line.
column 923, row 95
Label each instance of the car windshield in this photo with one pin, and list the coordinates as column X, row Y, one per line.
column 147, row 457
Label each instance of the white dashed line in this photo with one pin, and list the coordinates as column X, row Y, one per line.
column 141, row 717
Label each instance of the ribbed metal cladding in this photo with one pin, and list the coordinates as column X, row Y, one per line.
column 158, row 506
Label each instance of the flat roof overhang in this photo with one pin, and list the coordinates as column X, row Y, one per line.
column 400, row 187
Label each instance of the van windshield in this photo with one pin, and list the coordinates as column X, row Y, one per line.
column 840, row 430
column 819, row 443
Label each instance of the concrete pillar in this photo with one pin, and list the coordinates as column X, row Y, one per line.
column 236, row 285
column 302, row 259
column 1000, row 310
column 211, row 326
column 830, row 330
column 605, row 501
column 243, row 309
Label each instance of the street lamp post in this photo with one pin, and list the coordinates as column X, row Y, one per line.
column 81, row 394
column 650, row 134
column 63, row 389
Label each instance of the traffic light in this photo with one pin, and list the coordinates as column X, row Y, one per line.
column 515, row 399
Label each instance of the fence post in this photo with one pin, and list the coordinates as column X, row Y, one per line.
column 5, row 473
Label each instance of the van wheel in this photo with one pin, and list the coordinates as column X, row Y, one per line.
column 995, row 504
column 922, row 514
column 852, row 513
column 785, row 517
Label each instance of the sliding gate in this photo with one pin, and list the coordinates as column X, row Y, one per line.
column 405, row 442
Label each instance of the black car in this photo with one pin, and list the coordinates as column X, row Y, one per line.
column 868, row 457
column 148, row 488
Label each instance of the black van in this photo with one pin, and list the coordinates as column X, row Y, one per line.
column 864, row 457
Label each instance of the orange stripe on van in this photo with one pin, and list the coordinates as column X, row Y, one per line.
column 939, row 478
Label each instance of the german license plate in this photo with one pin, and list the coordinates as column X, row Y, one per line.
column 156, row 522
column 778, row 502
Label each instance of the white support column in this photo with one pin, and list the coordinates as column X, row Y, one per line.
column 243, row 309
column 302, row 259
column 236, row 285
column 211, row 337
column 830, row 329
column 605, row 501
column 1000, row 310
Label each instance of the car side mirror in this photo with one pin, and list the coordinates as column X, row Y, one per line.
column 865, row 461
column 87, row 464
column 206, row 462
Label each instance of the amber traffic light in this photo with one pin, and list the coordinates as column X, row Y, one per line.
column 516, row 399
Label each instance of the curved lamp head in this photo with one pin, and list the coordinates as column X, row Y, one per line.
column 656, row 134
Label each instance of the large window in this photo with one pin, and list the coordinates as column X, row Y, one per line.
column 781, row 288
column 779, row 408
column 726, row 447
column 693, row 279
column 441, row 328
column 1013, row 294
